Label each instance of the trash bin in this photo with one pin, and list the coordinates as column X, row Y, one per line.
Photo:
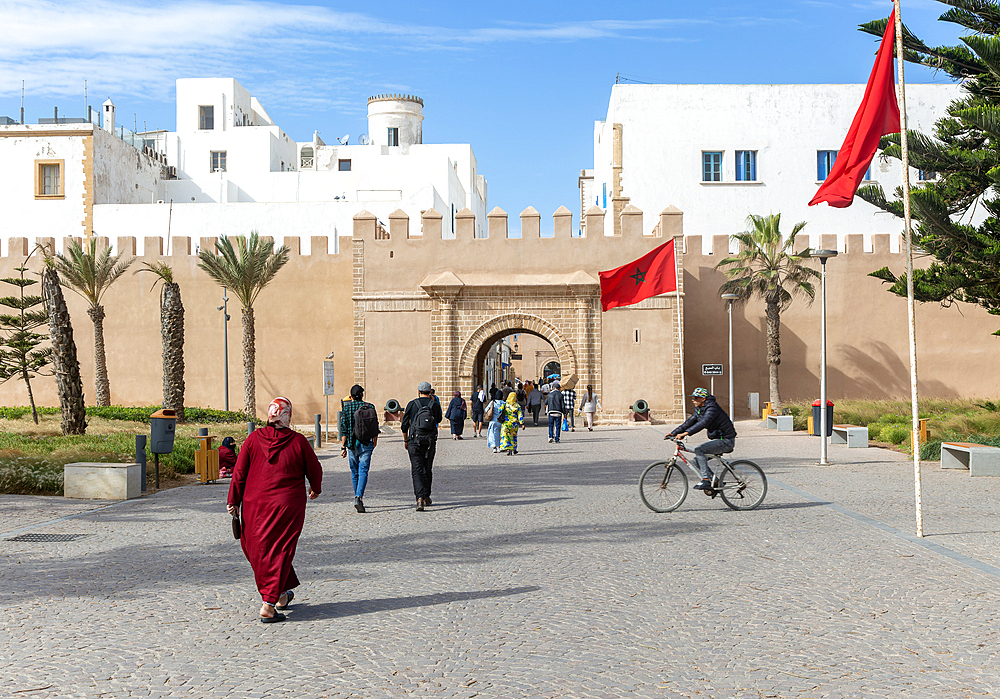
column 817, row 417
column 162, row 424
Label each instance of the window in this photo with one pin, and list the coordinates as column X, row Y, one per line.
column 344, row 165
column 926, row 175
column 746, row 166
column 306, row 157
column 49, row 179
column 824, row 163
column 393, row 136
column 218, row 160
column 711, row 166
column 604, row 189
column 206, row 117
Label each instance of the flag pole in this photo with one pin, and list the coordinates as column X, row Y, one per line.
column 680, row 328
column 907, row 236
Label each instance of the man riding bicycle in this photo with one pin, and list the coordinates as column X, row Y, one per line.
column 708, row 415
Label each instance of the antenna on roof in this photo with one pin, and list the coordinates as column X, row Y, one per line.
column 344, row 139
column 363, row 139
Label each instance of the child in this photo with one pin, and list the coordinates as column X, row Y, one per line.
column 227, row 457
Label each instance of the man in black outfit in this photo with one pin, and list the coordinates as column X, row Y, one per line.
column 420, row 426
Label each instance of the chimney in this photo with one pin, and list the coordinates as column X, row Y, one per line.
column 109, row 115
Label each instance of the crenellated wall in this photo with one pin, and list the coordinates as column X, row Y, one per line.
column 400, row 304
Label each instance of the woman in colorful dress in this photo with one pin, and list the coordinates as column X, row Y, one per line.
column 496, row 411
column 511, row 424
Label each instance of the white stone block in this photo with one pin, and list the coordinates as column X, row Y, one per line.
column 100, row 481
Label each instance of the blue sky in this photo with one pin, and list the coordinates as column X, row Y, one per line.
column 522, row 82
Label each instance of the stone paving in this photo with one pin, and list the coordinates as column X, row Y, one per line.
column 539, row 575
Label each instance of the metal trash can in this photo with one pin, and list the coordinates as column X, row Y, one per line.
column 162, row 425
column 817, row 417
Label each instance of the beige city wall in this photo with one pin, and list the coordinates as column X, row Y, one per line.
column 300, row 318
column 868, row 355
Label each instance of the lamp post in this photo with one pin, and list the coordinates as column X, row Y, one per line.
column 823, row 256
column 730, row 298
column 225, row 344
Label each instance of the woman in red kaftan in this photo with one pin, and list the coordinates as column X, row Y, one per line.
column 268, row 484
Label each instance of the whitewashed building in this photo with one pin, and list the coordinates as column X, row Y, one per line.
column 227, row 169
column 722, row 152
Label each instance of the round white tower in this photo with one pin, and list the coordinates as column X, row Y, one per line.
column 395, row 120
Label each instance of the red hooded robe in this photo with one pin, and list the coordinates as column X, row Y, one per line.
column 268, row 484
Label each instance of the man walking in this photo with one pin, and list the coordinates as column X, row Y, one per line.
column 359, row 437
column 420, row 430
column 569, row 406
column 554, row 407
column 535, row 403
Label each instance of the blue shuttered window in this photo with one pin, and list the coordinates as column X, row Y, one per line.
column 824, row 163
column 746, row 166
column 711, row 166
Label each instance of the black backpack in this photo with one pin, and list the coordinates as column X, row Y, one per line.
column 521, row 395
column 423, row 422
column 365, row 423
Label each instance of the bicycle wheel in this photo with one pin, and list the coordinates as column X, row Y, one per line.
column 663, row 486
column 743, row 485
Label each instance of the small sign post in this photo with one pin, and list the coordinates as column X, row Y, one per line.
column 327, row 391
column 712, row 370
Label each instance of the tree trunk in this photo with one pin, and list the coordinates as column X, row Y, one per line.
column 172, row 335
column 249, row 385
column 64, row 361
column 31, row 396
column 101, row 385
column 774, row 352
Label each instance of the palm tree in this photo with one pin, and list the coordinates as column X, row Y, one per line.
column 768, row 269
column 171, row 334
column 90, row 273
column 64, row 362
column 245, row 269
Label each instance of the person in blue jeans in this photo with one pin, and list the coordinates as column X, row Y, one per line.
column 554, row 407
column 358, row 454
column 708, row 415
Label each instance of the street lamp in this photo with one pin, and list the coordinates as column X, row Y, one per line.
column 730, row 298
column 823, row 256
column 225, row 344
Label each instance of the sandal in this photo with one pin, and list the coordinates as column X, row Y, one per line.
column 291, row 596
column 272, row 619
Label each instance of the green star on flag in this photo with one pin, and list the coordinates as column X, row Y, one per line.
column 639, row 276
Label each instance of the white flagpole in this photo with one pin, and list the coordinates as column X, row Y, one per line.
column 907, row 236
column 680, row 328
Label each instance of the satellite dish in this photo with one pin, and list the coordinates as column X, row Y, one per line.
column 344, row 139
column 363, row 139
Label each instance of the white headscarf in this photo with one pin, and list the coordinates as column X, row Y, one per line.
column 279, row 412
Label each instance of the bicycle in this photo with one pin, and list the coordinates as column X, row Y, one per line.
column 741, row 484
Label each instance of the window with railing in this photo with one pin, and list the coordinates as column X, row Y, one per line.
column 306, row 157
column 218, row 161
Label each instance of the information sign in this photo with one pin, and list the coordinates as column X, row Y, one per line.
column 328, row 377
column 711, row 370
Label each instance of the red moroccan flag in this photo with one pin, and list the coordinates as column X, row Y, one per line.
column 653, row 273
column 878, row 115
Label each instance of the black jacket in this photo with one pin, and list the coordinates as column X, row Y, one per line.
column 711, row 417
column 411, row 412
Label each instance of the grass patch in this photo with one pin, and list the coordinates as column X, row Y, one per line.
column 32, row 456
column 889, row 421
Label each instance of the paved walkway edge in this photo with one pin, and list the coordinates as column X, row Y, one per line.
column 7, row 535
column 919, row 541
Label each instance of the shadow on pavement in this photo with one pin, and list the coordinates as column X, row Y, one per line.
column 325, row 610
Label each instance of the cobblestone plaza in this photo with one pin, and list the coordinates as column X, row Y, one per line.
column 540, row 575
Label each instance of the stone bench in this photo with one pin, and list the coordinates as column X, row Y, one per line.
column 979, row 459
column 853, row 436
column 89, row 480
column 781, row 423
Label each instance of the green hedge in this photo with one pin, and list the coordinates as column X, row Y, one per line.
column 141, row 414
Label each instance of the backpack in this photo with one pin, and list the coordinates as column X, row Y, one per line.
column 423, row 422
column 365, row 423
column 521, row 395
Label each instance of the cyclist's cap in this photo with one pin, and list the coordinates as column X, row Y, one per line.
column 699, row 393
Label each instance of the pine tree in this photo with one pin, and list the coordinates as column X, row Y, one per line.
column 21, row 356
column 961, row 160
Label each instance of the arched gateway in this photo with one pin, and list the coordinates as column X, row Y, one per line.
column 425, row 307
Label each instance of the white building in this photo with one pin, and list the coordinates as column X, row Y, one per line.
column 722, row 152
column 227, row 169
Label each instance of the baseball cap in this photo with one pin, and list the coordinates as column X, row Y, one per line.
column 423, row 387
column 699, row 393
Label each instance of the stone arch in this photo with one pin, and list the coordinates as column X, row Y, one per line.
column 512, row 323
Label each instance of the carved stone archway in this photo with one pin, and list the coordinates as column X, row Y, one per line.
column 508, row 324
